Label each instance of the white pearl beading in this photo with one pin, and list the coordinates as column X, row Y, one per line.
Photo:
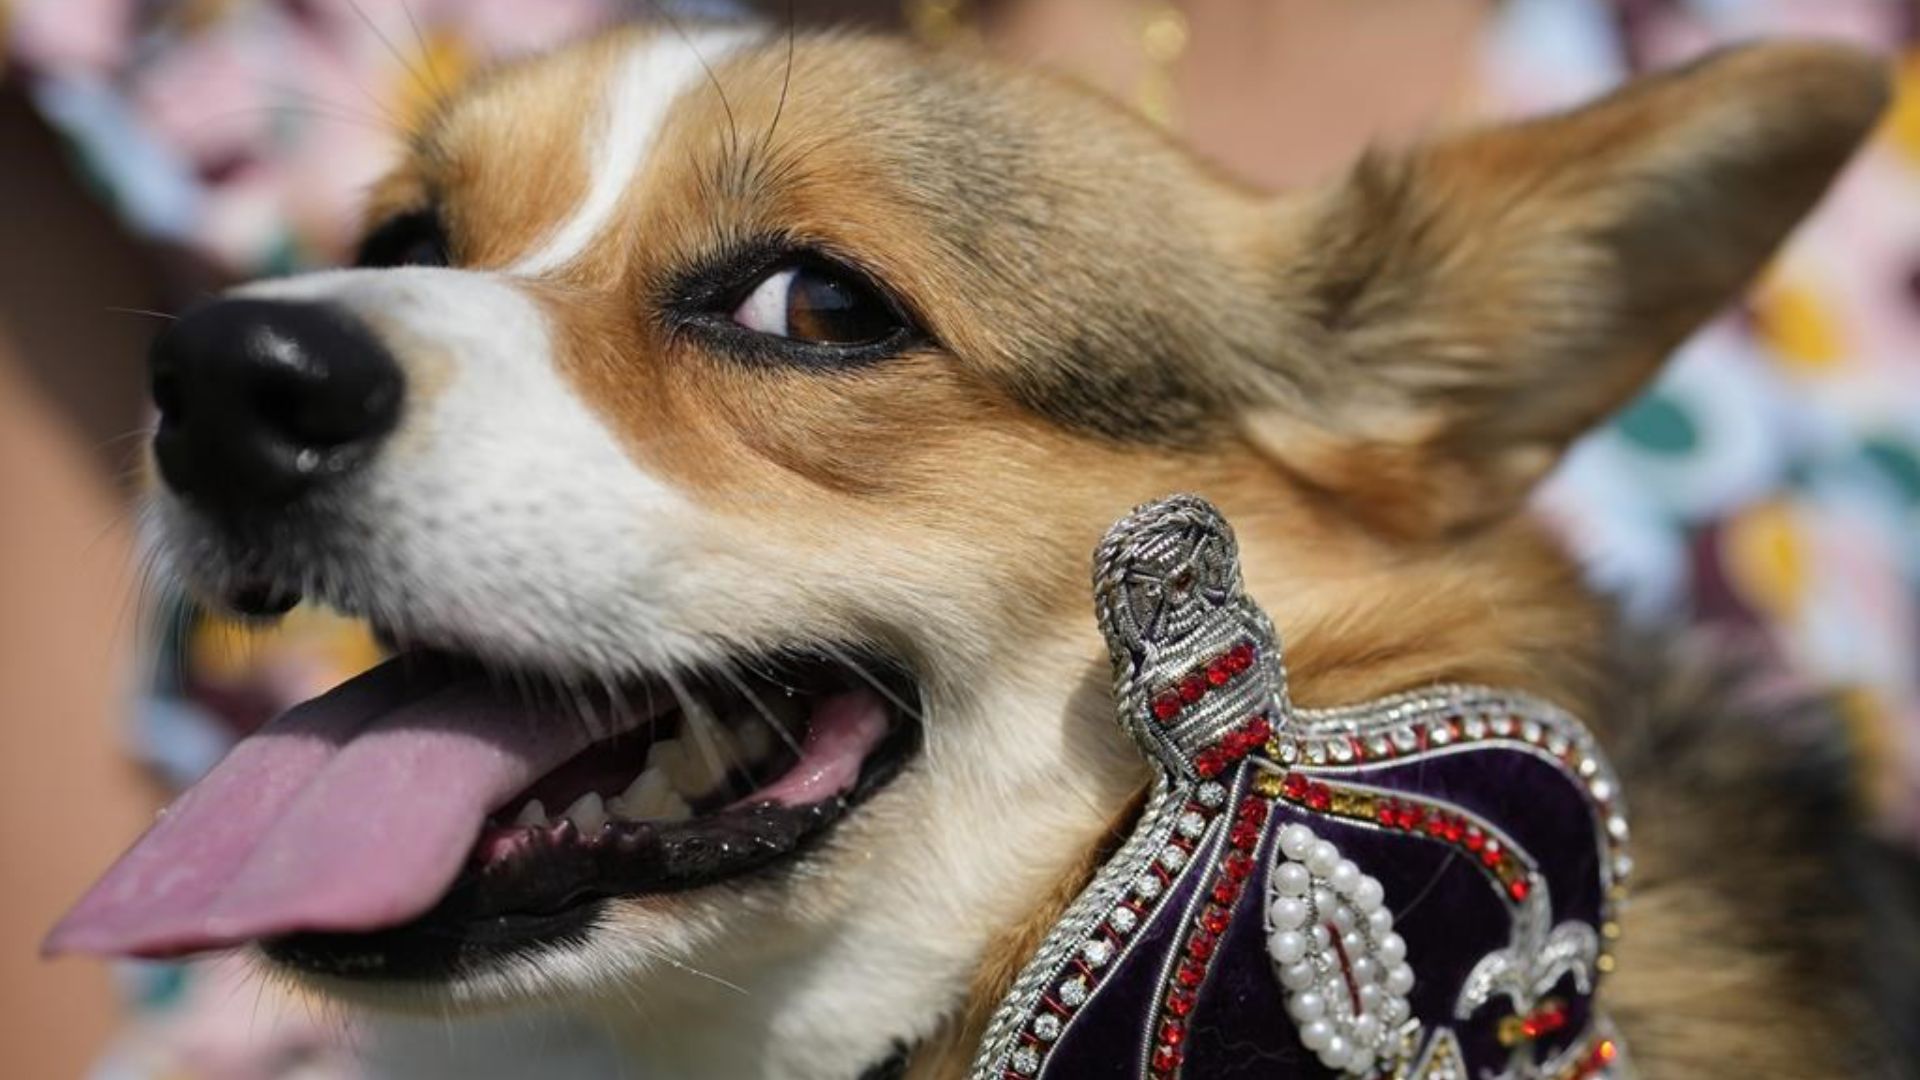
column 1314, row 892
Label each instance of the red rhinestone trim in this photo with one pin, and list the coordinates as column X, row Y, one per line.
column 1177, row 1005
column 1214, row 673
column 1491, row 722
column 1234, row 745
column 1512, row 872
column 1203, row 936
column 1545, row 1020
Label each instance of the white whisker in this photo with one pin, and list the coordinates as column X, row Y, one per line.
column 879, row 686
column 701, row 726
column 759, row 706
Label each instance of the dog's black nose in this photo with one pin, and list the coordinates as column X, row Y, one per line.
column 262, row 400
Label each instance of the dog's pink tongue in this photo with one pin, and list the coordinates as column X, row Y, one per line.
column 351, row 813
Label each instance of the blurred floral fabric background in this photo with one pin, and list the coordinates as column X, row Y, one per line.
column 1770, row 481
column 1768, row 485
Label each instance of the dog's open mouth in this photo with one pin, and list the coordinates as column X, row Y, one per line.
column 430, row 813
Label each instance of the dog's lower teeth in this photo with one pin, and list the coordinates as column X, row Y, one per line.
column 709, row 764
column 588, row 812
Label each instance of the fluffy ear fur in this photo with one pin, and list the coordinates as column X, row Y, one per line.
column 1470, row 307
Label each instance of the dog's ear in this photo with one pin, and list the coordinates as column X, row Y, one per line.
column 1459, row 313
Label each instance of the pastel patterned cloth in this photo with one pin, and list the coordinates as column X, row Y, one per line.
column 1769, row 484
column 247, row 129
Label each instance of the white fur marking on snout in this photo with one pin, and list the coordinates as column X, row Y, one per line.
column 503, row 514
column 641, row 94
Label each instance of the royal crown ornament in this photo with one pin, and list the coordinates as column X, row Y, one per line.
column 1421, row 887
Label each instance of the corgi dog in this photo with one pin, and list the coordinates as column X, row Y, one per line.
column 718, row 426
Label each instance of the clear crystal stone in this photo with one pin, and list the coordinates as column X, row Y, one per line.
column 1025, row 1061
column 1173, row 858
column 1097, row 952
column 1073, row 992
column 1191, row 824
column 1047, row 1026
column 1211, row 794
column 1123, row 920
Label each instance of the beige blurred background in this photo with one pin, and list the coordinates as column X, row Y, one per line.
column 70, row 388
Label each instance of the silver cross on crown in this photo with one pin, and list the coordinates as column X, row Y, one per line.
column 1193, row 656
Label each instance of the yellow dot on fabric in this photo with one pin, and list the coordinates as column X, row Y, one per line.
column 223, row 650
column 432, row 71
column 1764, row 551
column 197, row 16
column 220, row 649
column 1901, row 129
column 1797, row 325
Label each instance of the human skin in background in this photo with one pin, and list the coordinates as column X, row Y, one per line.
column 71, row 385
column 1278, row 92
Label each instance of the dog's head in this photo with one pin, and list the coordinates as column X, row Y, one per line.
column 742, row 412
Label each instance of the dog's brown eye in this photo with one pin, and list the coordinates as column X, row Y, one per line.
column 818, row 305
column 412, row 239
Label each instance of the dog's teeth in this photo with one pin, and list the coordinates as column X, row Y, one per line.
column 673, row 808
column 670, row 758
column 686, row 767
column 755, row 739
column 645, row 798
column 531, row 814
column 588, row 812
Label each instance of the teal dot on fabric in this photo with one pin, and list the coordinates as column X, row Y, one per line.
column 282, row 257
column 162, row 985
column 1897, row 462
column 1659, row 424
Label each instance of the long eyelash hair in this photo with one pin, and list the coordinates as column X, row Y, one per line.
column 733, row 127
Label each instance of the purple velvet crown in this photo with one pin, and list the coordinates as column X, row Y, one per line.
column 1417, row 887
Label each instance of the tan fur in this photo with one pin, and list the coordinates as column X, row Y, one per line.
column 1503, row 290
column 1762, row 909
column 509, row 161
